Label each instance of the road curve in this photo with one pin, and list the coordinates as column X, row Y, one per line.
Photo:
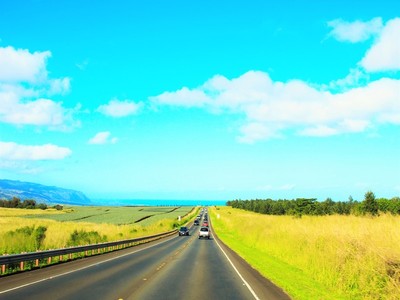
column 172, row 268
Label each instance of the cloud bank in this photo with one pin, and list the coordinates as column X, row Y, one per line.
column 25, row 91
column 272, row 108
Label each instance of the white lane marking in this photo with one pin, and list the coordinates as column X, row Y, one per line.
column 80, row 269
column 237, row 271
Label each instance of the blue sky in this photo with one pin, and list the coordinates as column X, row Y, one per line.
column 202, row 99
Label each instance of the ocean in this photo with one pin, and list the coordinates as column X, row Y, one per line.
column 156, row 202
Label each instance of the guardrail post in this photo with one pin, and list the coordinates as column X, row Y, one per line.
column 37, row 260
column 3, row 267
column 21, row 265
column 49, row 260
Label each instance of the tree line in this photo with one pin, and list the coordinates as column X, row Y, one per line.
column 310, row 206
column 16, row 202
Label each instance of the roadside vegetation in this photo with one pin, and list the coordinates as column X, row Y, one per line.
column 25, row 230
column 310, row 206
column 318, row 257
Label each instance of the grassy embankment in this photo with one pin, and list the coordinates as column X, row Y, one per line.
column 19, row 227
column 327, row 257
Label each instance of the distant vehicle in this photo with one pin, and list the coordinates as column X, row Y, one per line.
column 204, row 233
column 205, row 224
column 196, row 222
column 183, row 231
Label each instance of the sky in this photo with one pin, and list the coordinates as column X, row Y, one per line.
column 208, row 100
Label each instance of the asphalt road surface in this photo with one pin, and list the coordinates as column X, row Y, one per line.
column 178, row 267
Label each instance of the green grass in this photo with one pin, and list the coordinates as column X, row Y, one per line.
column 115, row 215
column 331, row 257
column 170, row 213
column 289, row 278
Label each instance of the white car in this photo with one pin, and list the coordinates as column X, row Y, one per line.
column 204, row 232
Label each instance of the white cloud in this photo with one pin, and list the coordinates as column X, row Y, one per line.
column 103, row 137
column 25, row 88
column 12, row 151
column 183, row 97
column 117, row 109
column 272, row 107
column 384, row 55
column 19, row 65
column 59, row 86
column 354, row 32
column 355, row 77
column 39, row 112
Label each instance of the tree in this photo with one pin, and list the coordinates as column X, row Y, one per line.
column 15, row 202
column 370, row 205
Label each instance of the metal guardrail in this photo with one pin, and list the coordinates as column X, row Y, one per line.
column 108, row 247
column 12, row 259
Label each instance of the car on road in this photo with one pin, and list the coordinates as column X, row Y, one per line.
column 204, row 232
column 205, row 224
column 196, row 222
column 183, row 231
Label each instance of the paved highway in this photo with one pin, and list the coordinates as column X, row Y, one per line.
column 172, row 268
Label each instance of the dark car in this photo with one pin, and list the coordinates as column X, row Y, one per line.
column 196, row 222
column 183, row 231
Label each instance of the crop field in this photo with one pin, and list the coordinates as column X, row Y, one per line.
column 318, row 257
column 27, row 230
column 116, row 215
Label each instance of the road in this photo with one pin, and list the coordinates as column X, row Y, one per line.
column 172, row 268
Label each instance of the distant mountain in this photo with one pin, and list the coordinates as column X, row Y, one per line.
column 41, row 193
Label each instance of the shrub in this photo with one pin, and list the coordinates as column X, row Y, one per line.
column 27, row 238
column 42, row 206
column 40, row 235
column 85, row 238
column 58, row 207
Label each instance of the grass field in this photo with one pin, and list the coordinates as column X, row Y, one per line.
column 19, row 228
column 329, row 257
column 115, row 215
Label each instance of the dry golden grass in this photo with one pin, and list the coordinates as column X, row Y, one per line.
column 357, row 256
column 59, row 233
